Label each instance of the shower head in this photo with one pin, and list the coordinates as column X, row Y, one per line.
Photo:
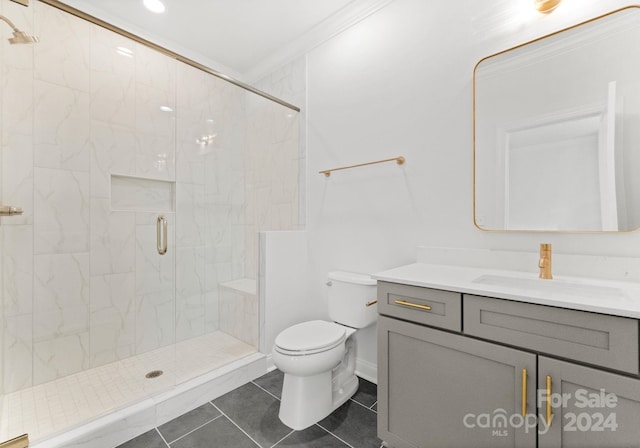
column 19, row 37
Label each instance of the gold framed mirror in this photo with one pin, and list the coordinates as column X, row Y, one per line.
column 557, row 130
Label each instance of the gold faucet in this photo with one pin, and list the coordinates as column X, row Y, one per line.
column 545, row 261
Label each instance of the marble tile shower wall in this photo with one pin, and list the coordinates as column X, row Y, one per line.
column 84, row 288
column 82, row 284
column 275, row 159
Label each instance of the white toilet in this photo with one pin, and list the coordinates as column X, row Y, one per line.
column 318, row 357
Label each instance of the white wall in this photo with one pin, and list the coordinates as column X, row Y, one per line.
column 400, row 83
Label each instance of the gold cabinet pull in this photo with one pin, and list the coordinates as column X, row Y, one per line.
column 368, row 304
column 412, row 305
column 524, row 392
column 549, row 400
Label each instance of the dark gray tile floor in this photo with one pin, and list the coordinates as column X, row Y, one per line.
column 248, row 417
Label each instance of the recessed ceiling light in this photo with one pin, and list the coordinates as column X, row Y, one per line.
column 154, row 5
column 166, row 109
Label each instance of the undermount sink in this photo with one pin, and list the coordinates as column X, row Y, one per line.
column 578, row 288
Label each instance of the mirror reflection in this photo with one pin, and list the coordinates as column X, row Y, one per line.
column 557, row 130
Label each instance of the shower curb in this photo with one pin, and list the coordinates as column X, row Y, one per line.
column 125, row 424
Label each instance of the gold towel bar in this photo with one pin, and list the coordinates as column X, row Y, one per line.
column 399, row 160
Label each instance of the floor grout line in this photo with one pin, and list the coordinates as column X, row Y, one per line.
column 236, row 425
column 274, row 396
column 162, row 437
column 343, row 441
column 292, row 431
column 360, row 404
column 194, row 430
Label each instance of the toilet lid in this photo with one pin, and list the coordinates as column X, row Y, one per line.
column 313, row 335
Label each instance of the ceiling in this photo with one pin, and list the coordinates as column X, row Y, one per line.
column 242, row 36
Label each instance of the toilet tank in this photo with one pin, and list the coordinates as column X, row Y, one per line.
column 348, row 296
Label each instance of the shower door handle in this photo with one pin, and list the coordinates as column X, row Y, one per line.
column 8, row 210
column 161, row 234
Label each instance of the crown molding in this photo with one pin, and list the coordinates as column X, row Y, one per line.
column 93, row 9
column 333, row 25
column 336, row 23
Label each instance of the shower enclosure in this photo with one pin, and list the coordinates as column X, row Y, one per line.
column 144, row 182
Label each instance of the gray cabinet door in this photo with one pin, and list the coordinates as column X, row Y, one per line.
column 437, row 390
column 590, row 408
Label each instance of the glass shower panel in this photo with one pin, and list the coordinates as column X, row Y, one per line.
column 271, row 202
column 209, row 217
column 100, row 137
column 237, row 175
column 87, row 301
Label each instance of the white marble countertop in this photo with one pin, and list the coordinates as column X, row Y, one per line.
column 618, row 298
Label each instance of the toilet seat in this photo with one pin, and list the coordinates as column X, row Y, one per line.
column 311, row 337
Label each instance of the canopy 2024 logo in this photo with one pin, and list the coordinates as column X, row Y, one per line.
column 593, row 412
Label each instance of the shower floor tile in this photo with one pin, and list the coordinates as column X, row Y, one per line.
column 248, row 417
column 59, row 405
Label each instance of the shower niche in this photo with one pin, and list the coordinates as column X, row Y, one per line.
column 143, row 195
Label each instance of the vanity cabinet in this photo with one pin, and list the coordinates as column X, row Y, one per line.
column 464, row 385
column 434, row 388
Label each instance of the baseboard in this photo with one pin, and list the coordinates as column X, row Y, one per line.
column 367, row 370
column 122, row 425
column 270, row 364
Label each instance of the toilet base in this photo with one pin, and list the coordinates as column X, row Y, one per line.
column 305, row 400
column 348, row 389
column 308, row 399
